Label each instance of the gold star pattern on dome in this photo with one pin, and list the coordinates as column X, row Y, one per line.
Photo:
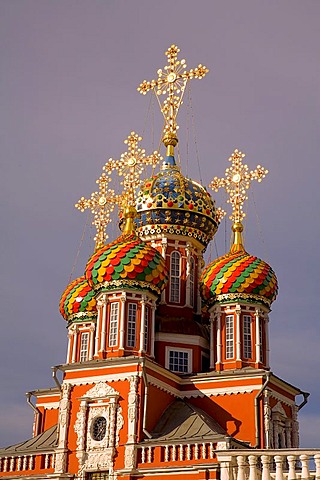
column 236, row 182
column 130, row 166
column 101, row 204
column 172, row 80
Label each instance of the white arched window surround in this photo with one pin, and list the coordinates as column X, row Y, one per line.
column 175, row 272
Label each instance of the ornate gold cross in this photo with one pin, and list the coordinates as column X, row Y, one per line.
column 101, row 204
column 130, row 166
column 236, row 182
column 172, row 80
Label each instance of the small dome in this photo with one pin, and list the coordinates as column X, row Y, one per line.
column 171, row 203
column 77, row 301
column 238, row 276
column 127, row 262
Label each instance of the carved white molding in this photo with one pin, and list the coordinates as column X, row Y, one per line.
column 64, row 410
column 278, row 408
column 93, row 454
column 100, row 390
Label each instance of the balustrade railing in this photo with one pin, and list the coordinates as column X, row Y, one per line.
column 18, row 463
column 291, row 464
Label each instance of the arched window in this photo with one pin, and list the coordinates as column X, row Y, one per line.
column 132, row 324
column 175, row 277
column 247, row 342
column 84, row 343
column 229, row 337
column 191, row 279
column 113, row 329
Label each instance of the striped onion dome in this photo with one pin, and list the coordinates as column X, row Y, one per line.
column 170, row 203
column 127, row 262
column 78, row 301
column 238, row 276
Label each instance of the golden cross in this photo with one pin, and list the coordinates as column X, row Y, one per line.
column 236, row 182
column 172, row 82
column 101, row 204
column 130, row 166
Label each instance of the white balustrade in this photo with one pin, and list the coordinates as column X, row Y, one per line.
column 280, row 464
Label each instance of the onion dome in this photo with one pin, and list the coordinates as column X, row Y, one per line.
column 171, row 203
column 238, row 276
column 78, row 300
column 127, row 262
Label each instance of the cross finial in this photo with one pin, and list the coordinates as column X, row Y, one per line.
column 130, row 166
column 172, row 80
column 101, row 204
column 236, row 182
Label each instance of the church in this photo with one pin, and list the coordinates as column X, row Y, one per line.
column 167, row 371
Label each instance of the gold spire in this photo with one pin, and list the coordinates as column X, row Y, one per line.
column 130, row 166
column 101, row 204
column 236, row 182
column 172, row 81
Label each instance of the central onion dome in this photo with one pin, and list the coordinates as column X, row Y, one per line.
column 238, row 276
column 127, row 262
column 171, row 203
column 77, row 301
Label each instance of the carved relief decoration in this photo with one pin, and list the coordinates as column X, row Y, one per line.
column 64, row 410
column 98, row 454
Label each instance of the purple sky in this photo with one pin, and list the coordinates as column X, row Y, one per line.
column 68, row 100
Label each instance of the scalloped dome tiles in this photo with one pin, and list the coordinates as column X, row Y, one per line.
column 77, row 301
column 127, row 262
column 238, row 275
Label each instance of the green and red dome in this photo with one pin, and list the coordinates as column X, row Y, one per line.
column 127, row 262
column 238, row 276
column 78, row 300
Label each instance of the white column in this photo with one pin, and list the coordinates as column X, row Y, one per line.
column 142, row 323
column 92, row 330
column 238, row 333
column 153, row 327
column 258, row 344
column 74, row 346
column 212, row 363
column 199, row 268
column 188, row 265
column 69, row 345
column 164, row 244
column 219, row 344
column 104, row 323
column 99, row 308
column 122, row 314
column 266, row 336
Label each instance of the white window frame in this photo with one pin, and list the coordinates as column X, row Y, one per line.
column 175, row 273
column 247, row 336
column 175, row 350
column 113, row 324
column 132, row 325
column 229, row 336
column 84, row 346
